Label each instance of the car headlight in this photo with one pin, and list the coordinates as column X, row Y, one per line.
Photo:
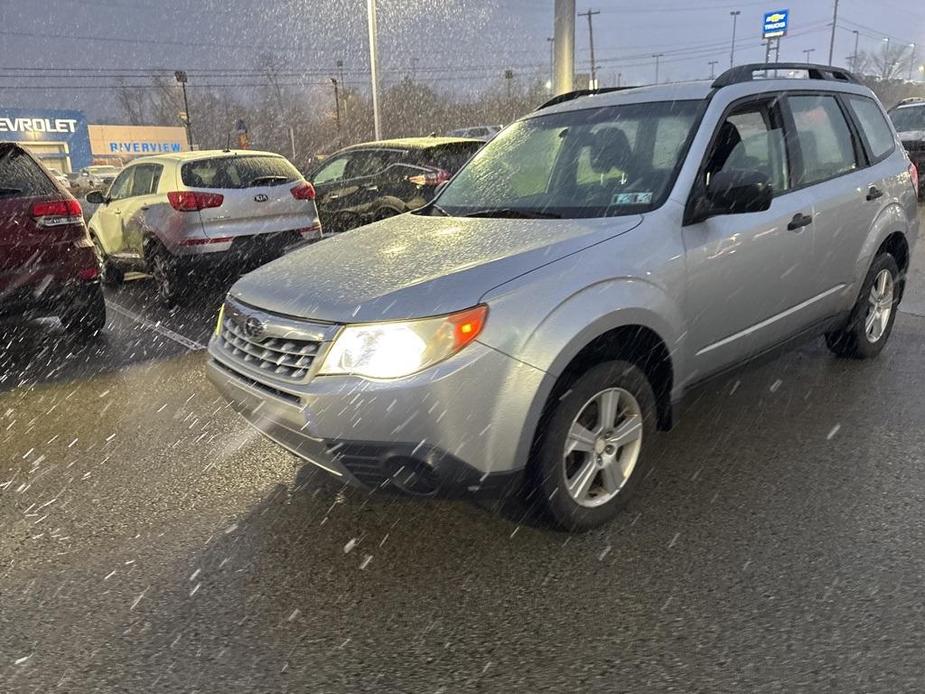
column 402, row 348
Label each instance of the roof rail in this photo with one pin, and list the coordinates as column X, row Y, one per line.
column 568, row 96
column 911, row 100
column 745, row 73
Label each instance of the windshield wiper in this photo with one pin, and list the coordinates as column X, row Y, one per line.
column 512, row 213
column 10, row 191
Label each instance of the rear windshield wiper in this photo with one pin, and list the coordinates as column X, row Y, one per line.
column 10, row 191
column 512, row 213
column 267, row 180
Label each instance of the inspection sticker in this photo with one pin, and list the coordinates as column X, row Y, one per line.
column 632, row 199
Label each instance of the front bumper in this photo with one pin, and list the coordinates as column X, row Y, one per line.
column 453, row 429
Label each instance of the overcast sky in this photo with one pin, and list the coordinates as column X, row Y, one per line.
column 457, row 45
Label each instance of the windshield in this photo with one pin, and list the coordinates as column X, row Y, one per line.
column 586, row 163
column 909, row 118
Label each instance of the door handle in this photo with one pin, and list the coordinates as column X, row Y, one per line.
column 145, row 208
column 874, row 192
column 371, row 189
column 333, row 196
column 799, row 221
column 117, row 211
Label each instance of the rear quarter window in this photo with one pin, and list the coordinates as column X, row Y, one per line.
column 238, row 172
column 876, row 130
column 21, row 176
column 451, row 157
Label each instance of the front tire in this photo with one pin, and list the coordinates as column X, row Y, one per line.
column 872, row 317
column 592, row 454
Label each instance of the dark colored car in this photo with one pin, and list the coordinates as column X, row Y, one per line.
column 909, row 119
column 48, row 266
column 375, row 180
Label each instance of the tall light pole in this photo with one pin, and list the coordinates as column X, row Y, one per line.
column 552, row 58
column 732, row 51
column 832, row 37
column 658, row 57
column 590, row 14
column 855, row 59
column 374, row 66
column 887, row 63
column 713, row 64
column 911, row 60
column 808, row 52
column 565, row 45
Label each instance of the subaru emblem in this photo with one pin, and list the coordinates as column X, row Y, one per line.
column 253, row 327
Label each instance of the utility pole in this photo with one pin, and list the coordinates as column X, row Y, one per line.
column 509, row 79
column 182, row 78
column 808, row 52
column 713, row 64
column 658, row 57
column 834, row 27
column 340, row 81
column 374, row 66
column 565, row 45
column 589, row 14
column 336, row 103
column 911, row 60
column 855, row 58
column 887, row 63
column 619, row 79
column 732, row 51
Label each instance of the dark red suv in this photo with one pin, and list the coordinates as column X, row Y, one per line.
column 48, row 266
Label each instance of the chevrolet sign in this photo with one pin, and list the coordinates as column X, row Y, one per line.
column 37, row 125
column 775, row 24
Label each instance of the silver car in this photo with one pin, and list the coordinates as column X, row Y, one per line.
column 182, row 215
column 546, row 314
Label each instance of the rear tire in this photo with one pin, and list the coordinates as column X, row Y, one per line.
column 165, row 272
column 86, row 318
column 592, row 454
column 873, row 315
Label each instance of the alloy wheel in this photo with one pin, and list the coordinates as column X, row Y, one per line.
column 602, row 447
column 880, row 306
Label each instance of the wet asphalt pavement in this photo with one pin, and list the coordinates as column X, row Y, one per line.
column 150, row 541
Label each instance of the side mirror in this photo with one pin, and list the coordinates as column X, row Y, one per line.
column 739, row 191
column 96, row 197
column 439, row 188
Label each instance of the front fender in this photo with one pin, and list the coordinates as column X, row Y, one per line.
column 571, row 324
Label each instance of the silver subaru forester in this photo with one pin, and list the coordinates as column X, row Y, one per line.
column 541, row 319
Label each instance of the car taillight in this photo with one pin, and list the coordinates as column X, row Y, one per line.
column 191, row 200
column 56, row 213
column 430, row 178
column 914, row 172
column 303, row 191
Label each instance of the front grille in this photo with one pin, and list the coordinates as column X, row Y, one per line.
column 269, row 346
column 286, row 359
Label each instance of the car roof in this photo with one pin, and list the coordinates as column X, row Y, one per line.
column 196, row 155
column 413, row 143
column 698, row 91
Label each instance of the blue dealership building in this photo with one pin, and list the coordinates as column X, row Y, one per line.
column 64, row 140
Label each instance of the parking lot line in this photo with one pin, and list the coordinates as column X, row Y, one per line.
column 191, row 345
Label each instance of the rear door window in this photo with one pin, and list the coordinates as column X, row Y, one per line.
column 824, row 138
column 249, row 171
column 873, row 124
column 21, row 176
column 369, row 162
column 147, row 176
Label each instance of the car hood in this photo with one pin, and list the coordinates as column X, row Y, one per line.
column 412, row 266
